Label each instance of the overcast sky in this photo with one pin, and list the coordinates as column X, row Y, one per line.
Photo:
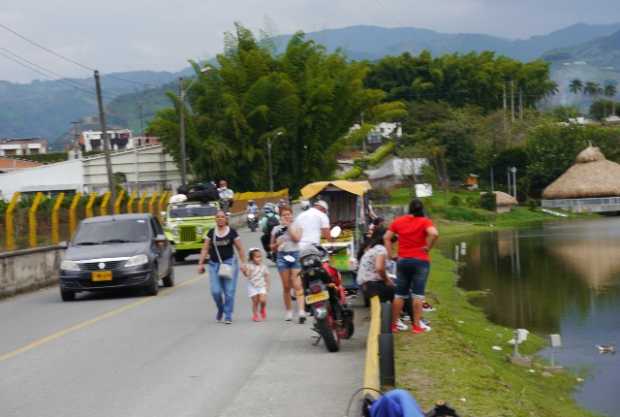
column 122, row 35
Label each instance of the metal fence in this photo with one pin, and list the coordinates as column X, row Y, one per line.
column 582, row 205
column 40, row 221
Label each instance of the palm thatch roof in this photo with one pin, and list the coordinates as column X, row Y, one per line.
column 591, row 176
column 503, row 199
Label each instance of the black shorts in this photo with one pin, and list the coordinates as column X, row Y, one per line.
column 380, row 288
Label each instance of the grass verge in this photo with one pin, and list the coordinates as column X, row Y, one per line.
column 456, row 362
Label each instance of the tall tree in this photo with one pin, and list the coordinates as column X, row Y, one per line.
column 610, row 92
column 576, row 86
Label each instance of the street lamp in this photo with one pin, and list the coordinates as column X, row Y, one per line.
column 269, row 158
column 182, row 91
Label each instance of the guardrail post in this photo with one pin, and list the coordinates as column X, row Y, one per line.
column 371, row 371
column 117, row 203
column 141, row 203
column 9, row 226
column 73, row 213
column 162, row 204
column 386, row 347
column 32, row 220
column 90, row 204
column 103, row 209
column 57, row 203
column 130, row 201
column 152, row 201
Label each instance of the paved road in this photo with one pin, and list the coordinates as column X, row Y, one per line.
column 125, row 355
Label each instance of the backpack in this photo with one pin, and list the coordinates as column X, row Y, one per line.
column 272, row 221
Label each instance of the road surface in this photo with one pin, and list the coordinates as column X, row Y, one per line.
column 124, row 355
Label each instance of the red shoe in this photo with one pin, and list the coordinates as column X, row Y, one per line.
column 395, row 328
column 422, row 329
column 255, row 317
column 263, row 312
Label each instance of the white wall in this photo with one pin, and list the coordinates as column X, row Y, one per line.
column 62, row 176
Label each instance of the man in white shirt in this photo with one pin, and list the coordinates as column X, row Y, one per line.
column 314, row 224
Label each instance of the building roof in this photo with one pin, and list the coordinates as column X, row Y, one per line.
column 503, row 199
column 10, row 164
column 591, row 176
column 22, row 140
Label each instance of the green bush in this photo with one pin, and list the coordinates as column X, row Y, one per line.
column 381, row 153
column 488, row 202
column 532, row 204
column 352, row 174
column 464, row 214
column 455, row 201
column 472, row 201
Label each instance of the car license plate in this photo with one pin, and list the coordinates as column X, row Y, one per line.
column 315, row 298
column 98, row 276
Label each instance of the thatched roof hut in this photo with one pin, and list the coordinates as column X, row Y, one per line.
column 591, row 176
column 503, row 201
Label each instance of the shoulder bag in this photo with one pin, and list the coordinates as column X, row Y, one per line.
column 225, row 270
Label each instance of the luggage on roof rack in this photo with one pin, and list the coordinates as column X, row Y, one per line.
column 204, row 192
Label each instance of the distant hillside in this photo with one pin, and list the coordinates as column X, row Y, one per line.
column 47, row 108
column 373, row 42
column 603, row 52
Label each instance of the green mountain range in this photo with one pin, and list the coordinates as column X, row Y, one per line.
column 47, row 108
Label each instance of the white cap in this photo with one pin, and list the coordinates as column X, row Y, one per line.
column 322, row 203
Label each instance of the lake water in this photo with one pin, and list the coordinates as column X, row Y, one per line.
column 556, row 278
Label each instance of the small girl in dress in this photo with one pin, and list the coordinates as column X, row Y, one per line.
column 258, row 284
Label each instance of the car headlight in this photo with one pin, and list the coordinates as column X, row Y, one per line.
column 200, row 230
column 137, row 261
column 68, row 265
column 175, row 230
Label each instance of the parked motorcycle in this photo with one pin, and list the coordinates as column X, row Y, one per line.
column 252, row 221
column 325, row 297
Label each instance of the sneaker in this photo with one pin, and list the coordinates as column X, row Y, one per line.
column 228, row 321
column 401, row 326
column 263, row 312
column 395, row 328
column 289, row 315
column 255, row 317
column 424, row 321
column 406, row 317
column 219, row 315
column 302, row 317
column 422, row 329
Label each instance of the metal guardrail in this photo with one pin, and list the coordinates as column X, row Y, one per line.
column 379, row 368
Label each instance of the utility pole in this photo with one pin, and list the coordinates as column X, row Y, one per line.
column 505, row 107
column 508, row 181
column 364, row 138
column 514, row 181
column 182, row 131
column 269, row 161
column 137, row 173
column 512, row 101
column 105, row 138
column 520, row 103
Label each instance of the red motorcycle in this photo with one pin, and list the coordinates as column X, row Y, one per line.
column 325, row 298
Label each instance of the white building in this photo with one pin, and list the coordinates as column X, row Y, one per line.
column 396, row 171
column 120, row 139
column 26, row 146
column 144, row 169
column 382, row 131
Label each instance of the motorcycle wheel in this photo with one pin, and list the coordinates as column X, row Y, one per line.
column 332, row 342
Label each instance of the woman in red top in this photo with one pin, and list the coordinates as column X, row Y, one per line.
column 416, row 237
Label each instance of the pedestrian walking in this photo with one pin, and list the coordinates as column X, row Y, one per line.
column 219, row 249
column 285, row 244
column 258, row 283
column 416, row 237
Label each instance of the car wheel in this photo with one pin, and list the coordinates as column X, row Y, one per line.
column 153, row 287
column 169, row 279
column 67, row 295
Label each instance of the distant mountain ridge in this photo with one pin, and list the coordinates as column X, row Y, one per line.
column 374, row 42
column 47, row 108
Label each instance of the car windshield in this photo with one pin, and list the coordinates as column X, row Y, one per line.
column 113, row 231
column 192, row 210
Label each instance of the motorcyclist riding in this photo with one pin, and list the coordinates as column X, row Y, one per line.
column 251, row 214
column 269, row 220
column 226, row 196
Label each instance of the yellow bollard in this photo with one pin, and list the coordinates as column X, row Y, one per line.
column 141, row 203
column 9, row 227
column 32, row 220
column 130, row 201
column 152, row 201
column 90, row 204
column 72, row 213
column 162, row 204
column 57, row 203
column 117, row 203
column 103, row 209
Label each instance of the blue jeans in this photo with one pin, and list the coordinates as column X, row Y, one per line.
column 223, row 289
column 412, row 275
column 283, row 264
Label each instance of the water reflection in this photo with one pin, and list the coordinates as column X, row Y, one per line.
column 559, row 278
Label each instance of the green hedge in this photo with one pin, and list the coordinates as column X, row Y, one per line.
column 381, row 153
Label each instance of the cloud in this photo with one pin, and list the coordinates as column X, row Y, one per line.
column 119, row 35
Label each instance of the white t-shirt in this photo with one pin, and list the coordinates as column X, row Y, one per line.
column 367, row 270
column 311, row 222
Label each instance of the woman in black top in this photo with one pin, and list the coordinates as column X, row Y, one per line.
column 223, row 288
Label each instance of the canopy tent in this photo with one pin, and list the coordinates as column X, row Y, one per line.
column 358, row 188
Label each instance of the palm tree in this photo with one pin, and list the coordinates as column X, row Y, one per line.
column 592, row 89
column 610, row 91
column 575, row 86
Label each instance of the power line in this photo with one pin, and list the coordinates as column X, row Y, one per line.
column 63, row 57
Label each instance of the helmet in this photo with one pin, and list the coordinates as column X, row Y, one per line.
column 269, row 208
column 305, row 204
column 251, row 202
column 310, row 257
